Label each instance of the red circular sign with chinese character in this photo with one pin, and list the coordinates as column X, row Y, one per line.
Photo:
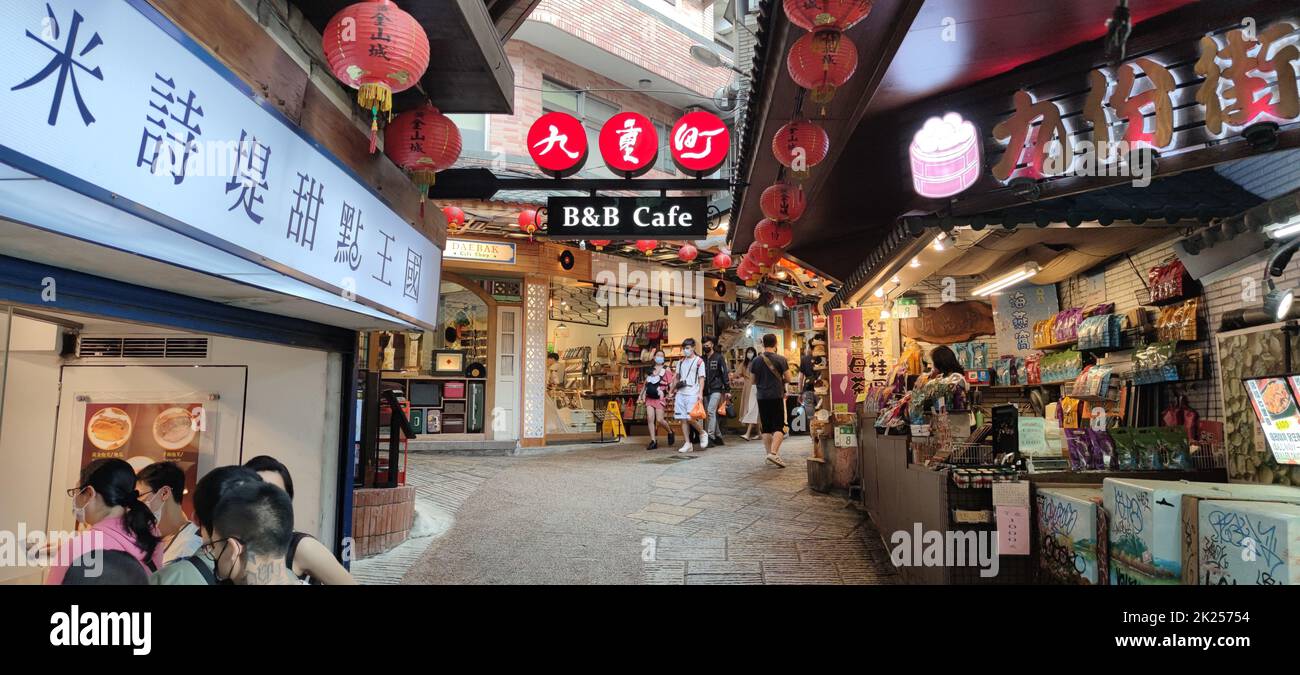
column 629, row 144
column 557, row 143
column 700, row 142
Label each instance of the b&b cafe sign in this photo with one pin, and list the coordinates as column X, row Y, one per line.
column 627, row 218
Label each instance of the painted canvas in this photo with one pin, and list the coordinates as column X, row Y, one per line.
column 1249, row 543
column 1066, row 534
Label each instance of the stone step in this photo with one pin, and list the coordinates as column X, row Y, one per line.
column 475, row 448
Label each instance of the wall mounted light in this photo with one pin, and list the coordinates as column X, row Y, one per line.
column 1007, row 280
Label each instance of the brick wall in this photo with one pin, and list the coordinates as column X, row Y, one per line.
column 381, row 519
column 647, row 33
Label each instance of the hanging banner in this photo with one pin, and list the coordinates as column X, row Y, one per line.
column 861, row 346
column 1016, row 310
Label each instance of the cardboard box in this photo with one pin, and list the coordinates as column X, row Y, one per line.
column 1236, row 491
column 1145, row 518
column 1249, row 543
column 1067, row 534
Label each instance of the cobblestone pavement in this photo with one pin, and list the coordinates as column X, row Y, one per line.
column 620, row 514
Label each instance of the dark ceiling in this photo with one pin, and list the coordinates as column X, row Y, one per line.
column 468, row 69
column 857, row 194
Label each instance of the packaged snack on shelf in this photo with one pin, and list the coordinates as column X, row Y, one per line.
column 1175, row 448
column 1033, row 368
column 1101, row 447
column 979, row 355
column 1187, row 329
column 1004, row 370
column 1069, row 412
column 1076, row 443
column 1127, row 455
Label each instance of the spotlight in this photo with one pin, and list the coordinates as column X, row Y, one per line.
column 916, row 262
column 880, row 292
column 1277, row 303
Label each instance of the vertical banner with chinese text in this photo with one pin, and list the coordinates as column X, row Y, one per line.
column 1016, row 310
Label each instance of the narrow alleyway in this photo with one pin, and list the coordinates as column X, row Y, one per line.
column 622, row 515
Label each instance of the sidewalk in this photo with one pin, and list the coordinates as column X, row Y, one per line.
column 622, row 515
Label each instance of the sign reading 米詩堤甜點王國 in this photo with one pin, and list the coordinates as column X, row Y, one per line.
column 111, row 100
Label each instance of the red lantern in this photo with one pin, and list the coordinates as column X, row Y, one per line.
column 763, row 255
column 821, row 62
column 745, row 273
column 812, row 14
column 422, row 142
column 646, row 246
column 790, row 301
column 600, row 244
column 722, row 260
column 773, row 234
column 455, row 216
column 687, row 252
column 800, row 145
column 378, row 49
column 528, row 222
column 782, row 202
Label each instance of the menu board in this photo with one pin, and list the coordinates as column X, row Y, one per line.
column 1278, row 414
column 145, row 433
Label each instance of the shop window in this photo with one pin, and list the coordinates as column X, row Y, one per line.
column 665, row 160
column 593, row 112
column 462, row 326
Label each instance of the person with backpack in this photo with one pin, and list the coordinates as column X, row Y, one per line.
column 652, row 396
column 307, row 557
column 769, row 371
column 162, row 488
column 687, row 390
column 197, row 569
column 106, row 502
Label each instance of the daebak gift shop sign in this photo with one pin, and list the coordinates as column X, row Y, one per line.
column 627, row 218
column 108, row 98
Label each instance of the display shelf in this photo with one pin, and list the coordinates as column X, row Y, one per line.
column 1057, row 346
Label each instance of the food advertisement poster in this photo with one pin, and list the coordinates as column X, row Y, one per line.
column 1275, row 407
column 145, row 433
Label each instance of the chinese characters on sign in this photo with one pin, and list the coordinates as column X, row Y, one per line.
column 861, row 347
column 1016, row 310
column 1248, row 79
column 629, row 143
column 557, row 142
column 700, row 142
column 202, row 157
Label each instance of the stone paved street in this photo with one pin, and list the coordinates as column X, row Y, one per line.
column 620, row 514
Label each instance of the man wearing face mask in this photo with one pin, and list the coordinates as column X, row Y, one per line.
column 252, row 529
column 197, row 569
column 686, row 391
column 162, row 487
column 715, row 387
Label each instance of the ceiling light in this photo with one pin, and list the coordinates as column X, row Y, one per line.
column 941, row 236
column 916, row 262
column 884, row 313
column 1007, row 280
column 1284, row 230
column 880, row 292
column 938, row 243
column 894, row 280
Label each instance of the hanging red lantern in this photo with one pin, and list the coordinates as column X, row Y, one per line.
column 687, row 252
column 528, row 222
column 773, row 234
column 782, row 202
column 812, row 14
column 646, row 246
column 722, row 260
column 745, row 273
column 763, row 256
column 600, row 244
column 455, row 217
column 790, row 301
column 800, row 145
column 821, row 62
column 379, row 50
column 422, row 142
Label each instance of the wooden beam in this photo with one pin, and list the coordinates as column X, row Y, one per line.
column 240, row 43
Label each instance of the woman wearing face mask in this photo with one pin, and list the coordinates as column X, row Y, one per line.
column 652, row 395
column 106, row 502
column 749, row 398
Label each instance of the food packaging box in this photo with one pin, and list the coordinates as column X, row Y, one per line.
column 1249, row 543
column 1067, row 534
column 1192, row 535
column 1146, row 528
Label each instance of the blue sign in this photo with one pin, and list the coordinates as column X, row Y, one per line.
column 1016, row 310
column 110, row 99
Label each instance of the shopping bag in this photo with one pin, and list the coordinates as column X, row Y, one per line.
column 698, row 412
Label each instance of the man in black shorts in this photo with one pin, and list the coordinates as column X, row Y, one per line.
column 769, row 371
